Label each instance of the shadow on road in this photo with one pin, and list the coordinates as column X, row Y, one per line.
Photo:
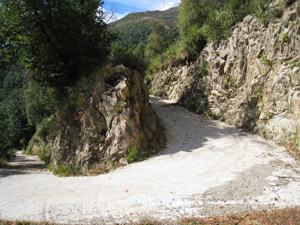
column 22, row 164
column 187, row 131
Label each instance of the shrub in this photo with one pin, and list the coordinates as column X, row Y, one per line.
column 155, row 64
column 284, row 38
column 203, row 68
column 118, row 107
column 276, row 13
column 265, row 60
column 132, row 58
column 132, row 156
column 64, row 170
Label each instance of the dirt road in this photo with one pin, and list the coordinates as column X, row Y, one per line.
column 206, row 169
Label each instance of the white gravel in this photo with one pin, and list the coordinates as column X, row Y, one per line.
column 207, row 169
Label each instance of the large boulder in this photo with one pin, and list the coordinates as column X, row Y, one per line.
column 114, row 125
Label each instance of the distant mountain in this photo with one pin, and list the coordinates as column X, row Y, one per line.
column 135, row 27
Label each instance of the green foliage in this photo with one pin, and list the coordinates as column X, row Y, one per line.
column 193, row 41
column 45, row 158
column 8, row 155
column 191, row 103
column 284, row 38
column 136, row 27
column 64, row 171
column 2, row 161
column 228, row 81
column 133, row 33
column 155, row 64
column 16, row 129
column 289, row 2
column 132, row 58
column 157, row 41
column 265, row 60
column 132, row 156
column 203, row 68
column 269, row 115
column 118, row 107
column 260, row 11
column 192, row 13
column 46, row 130
column 211, row 21
column 60, row 41
column 40, row 103
column 276, row 13
column 258, row 94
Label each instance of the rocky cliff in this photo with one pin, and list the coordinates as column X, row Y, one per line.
column 112, row 126
column 250, row 81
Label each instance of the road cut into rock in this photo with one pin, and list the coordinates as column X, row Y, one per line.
column 206, row 169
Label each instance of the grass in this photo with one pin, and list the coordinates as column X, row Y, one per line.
column 265, row 60
column 132, row 156
column 284, row 38
column 65, row 171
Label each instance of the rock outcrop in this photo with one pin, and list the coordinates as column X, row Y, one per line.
column 251, row 81
column 112, row 126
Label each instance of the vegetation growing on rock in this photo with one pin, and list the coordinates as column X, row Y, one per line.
column 113, row 124
column 47, row 47
column 251, row 80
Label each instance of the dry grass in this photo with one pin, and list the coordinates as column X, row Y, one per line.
column 293, row 150
column 288, row 216
column 284, row 216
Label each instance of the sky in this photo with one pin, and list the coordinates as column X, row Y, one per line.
column 121, row 8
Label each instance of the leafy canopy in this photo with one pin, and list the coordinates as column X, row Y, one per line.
column 59, row 40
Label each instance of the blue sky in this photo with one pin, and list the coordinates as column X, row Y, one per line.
column 123, row 7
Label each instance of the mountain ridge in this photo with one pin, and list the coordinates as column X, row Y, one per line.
column 168, row 16
column 136, row 27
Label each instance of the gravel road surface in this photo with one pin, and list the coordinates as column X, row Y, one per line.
column 207, row 169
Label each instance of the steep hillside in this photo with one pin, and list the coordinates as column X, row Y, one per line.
column 168, row 17
column 136, row 27
column 250, row 81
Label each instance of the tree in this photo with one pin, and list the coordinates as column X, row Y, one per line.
column 192, row 13
column 156, row 42
column 59, row 40
column 15, row 129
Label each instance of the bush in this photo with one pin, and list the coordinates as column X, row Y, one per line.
column 60, row 41
column 155, row 64
column 6, row 156
column 63, row 170
column 131, row 58
column 276, row 13
column 132, row 154
column 46, row 130
column 193, row 42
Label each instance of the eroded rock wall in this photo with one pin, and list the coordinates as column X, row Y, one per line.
column 252, row 80
column 113, row 126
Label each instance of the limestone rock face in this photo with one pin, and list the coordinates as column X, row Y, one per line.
column 115, row 126
column 252, row 80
